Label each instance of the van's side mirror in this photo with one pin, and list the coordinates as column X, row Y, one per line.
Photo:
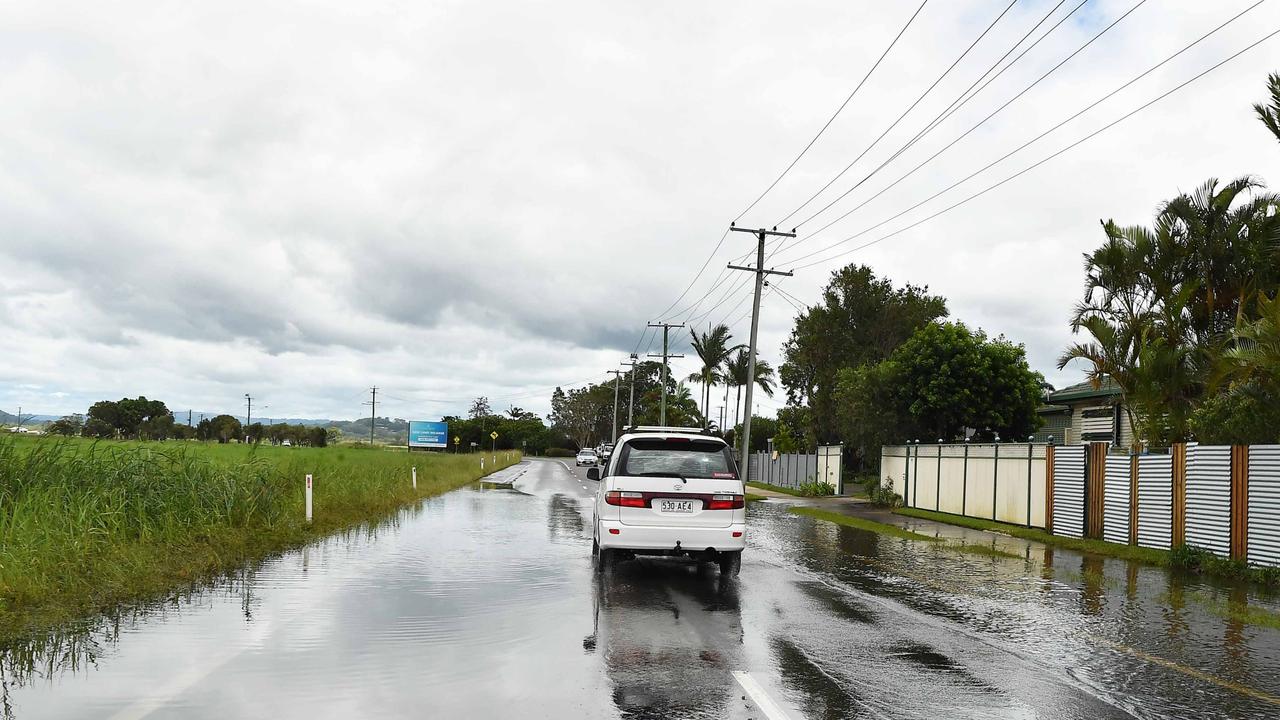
column 593, row 473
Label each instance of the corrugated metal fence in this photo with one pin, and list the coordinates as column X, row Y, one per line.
column 1264, row 504
column 1224, row 499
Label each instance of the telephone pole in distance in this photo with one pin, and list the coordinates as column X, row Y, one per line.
column 616, row 375
column 760, row 272
column 631, row 405
column 373, row 411
column 666, row 328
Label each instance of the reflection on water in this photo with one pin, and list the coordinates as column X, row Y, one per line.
column 670, row 634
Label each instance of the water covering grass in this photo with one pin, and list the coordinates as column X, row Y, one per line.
column 895, row 531
column 86, row 525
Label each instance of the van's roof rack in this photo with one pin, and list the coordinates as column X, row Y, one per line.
column 667, row 429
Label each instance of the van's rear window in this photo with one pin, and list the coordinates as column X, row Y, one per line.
column 677, row 458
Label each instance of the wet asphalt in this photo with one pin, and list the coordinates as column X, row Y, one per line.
column 482, row 603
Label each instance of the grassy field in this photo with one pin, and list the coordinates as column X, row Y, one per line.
column 85, row 526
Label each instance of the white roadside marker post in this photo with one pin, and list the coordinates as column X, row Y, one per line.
column 415, row 478
column 308, row 498
column 482, row 462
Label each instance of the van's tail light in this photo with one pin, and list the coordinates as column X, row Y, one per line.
column 625, row 499
column 726, row 502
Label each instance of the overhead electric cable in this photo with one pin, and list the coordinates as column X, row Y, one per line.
column 831, row 119
column 979, row 124
column 1033, row 140
column 900, row 117
column 1046, row 159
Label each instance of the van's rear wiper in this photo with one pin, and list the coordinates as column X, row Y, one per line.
column 683, row 479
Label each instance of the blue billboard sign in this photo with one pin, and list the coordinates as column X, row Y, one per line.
column 428, row 434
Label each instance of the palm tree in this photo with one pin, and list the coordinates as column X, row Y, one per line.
column 1270, row 114
column 736, row 375
column 712, row 348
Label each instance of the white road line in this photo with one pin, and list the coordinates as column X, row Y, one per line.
column 771, row 709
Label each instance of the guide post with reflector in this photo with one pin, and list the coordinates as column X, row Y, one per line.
column 308, row 498
column 415, row 478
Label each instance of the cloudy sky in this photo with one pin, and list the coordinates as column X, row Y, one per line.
column 448, row 199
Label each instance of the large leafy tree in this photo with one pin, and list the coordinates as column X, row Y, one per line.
column 945, row 378
column 860, row 320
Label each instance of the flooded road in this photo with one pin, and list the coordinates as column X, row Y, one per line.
column 482, row 603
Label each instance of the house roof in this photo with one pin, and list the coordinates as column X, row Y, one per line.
column 1046, row 409
column 1085, row 391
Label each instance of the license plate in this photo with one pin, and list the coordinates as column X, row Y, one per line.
column 679, row 506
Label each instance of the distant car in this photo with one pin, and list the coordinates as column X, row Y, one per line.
column 587, row 456
column 286, row 443
column 18, row 430
column 673, row 492
column 606, row 452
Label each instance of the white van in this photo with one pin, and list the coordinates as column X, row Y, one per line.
column 669, row 491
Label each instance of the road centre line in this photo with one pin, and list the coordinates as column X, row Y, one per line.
column 771, row 709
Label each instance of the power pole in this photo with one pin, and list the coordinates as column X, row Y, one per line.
column 631, row 405
column 666, row 328
column 188, row 418
column 760, row 272
column 373, row 411
column 616, row 374
column 248, row 411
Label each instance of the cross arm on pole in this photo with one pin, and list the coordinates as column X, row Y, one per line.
column 762, row 231
column 766, row 272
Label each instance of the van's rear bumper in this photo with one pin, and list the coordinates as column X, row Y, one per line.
column 657, row 537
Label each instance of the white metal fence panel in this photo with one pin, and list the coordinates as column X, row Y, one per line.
column 1155, row 501
column 893, row 466
column 1115, row 502
column 1068, row 490
column 1209, row 498
column 1264, row 504
column 829, row 460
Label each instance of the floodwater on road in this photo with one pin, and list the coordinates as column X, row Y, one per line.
column 483, row 603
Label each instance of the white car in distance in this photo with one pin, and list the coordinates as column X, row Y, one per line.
column 672, row 492
column 587, row 456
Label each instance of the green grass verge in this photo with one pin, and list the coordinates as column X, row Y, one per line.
column 86, row 526
column 776, row 488
column 895, row 531
column 755, row 498
column 1182, row 558
column 1127, row 552
column 861, row 524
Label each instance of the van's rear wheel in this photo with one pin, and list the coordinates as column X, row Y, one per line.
column 604, row 559
column 730, row 563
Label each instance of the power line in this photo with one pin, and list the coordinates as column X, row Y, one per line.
column 966, row 133
column 1050, row 157
column 955, row 105
column 1035, row 139
column 900, row 117
column 831, row 119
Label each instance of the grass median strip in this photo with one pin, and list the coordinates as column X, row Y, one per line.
column 86, row 526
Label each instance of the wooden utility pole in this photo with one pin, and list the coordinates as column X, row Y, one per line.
column 631, row 405
column 616, row 374
column 760, row 272
column 373, row 411
column 666, row 328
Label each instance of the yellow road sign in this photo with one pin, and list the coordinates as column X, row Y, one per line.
column 494, row 434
